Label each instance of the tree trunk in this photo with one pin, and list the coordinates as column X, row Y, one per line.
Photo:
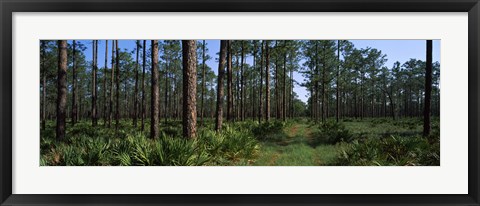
column 127, row 112
column 154, row 129
column 337, row 112
column 237, row 90
column 202, row 107
column 428, row 90
column 229, row 82
column 276, row 94
column 324, row 87
column 74, row 86
column 242, row 83
column 143, row 83
column 117, row 81
column 373, row 98
column 284, row 96
column 94, row 83
column 253, row 81
column 105, row 71
column 316, row 77
column 267, row 82
column 361, row 95
column 166, row 89
column 175, row 100
column 260, row 111
column 189, row 56
column 221, row 68
column 44, row 85
column 112, row 80
column 135, row 96
column 291, row 92
column 61, row 89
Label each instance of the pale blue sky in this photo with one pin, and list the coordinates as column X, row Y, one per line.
column 396, row 50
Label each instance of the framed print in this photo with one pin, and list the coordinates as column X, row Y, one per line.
column 247, row 103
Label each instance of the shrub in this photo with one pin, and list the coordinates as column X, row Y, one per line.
column 332, row 132
column 232, row 144
column 127, row 146
column 166, row 151
column 264, row 129
column 391, row 151
column 179, row 152
column 410, row 124
column 347, row 119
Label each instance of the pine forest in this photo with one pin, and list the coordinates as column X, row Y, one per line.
column 239, row 102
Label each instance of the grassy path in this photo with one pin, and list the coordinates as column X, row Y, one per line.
column 293, row 147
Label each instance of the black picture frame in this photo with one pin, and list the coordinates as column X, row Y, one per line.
column 7, row 7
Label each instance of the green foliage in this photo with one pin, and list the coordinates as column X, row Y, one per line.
column 264, row 129
column 408, row 123
column 332, row 132
column 234, row 145
column 391, row 151
column 295, row 142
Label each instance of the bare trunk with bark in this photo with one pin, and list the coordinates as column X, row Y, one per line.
column 428, row 90
column 112, row 80
column 144, row 64
column 267, row 83
column 202, row 106
column 94, row 83
column 189, row 48
column 229, row 82
column 74, row 85
column 135, row 95
column 221, row 68
column 154, row 121
column 117, row 82
column 61, row 89
column 105, row 71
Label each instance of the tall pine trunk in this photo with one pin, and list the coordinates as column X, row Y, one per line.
column 221, row 71
column 74, row 85
column 284, row 96
column 291, row 90
column 61, row 89
column 202, row 109
column 316, row 77
column 167, row 63
column 267, row 82
column 260, row 102
column 189, row 57
column 242, row 83
column 324, row 87
column 428, row 90
column 105, row 72
column 154, row 129
column 276, row 94
column 94, row 83
column 143, row 83
column 44, row 85
column 337, row 112
column 229, row 82
column 135, row 95
column 112, row 80
column 253, row 81
column 117, row 83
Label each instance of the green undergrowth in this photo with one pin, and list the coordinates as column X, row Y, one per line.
column 102, row 146
column 297, row 142
column 381, row 142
